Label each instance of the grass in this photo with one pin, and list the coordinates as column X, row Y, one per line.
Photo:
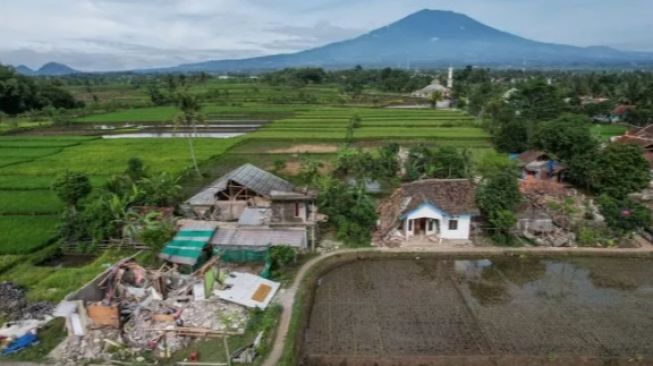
column 24, row 152
column 8, row 261
column 24, row 234
column 45, row 142
column 52, row 283
column 33, row 202
column 331, row 123
column 604, row 132
column 14, row 124
column 107, row 157
column 211, row 111
column 25, row 185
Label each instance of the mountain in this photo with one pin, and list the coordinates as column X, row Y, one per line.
column 49, row 69
column 24, row 70
column 432, row 38
column 55, row 69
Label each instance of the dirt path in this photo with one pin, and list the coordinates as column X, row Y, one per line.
column 287, row 298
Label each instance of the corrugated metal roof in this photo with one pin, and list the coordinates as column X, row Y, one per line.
column 247, row 175
column 259, row 237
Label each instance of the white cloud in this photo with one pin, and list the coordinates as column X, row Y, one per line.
column 125, row 34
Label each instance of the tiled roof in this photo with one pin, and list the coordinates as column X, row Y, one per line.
column 453, row 196
column 529, row 156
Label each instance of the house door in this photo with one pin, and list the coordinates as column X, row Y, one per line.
column 420, row 226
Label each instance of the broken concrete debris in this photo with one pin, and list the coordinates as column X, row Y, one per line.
column 130, row 309
column 248, row 290
column 25, row 318
column 15, row 306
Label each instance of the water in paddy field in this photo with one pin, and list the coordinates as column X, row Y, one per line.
column 217, row 135
column 505, row 311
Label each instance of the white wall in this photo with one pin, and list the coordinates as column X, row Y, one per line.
column 428, row 211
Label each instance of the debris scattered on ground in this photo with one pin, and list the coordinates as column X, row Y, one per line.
column 130, row 310
column 552, row 213
column 248, row 290
column 15, row 306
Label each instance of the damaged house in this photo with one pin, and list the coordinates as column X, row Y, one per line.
column 255, row 208
column 539, row 166
column 436, row 209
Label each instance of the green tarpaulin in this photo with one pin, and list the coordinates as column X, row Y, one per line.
column 187, row 246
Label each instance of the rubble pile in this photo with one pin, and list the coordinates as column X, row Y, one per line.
column 98, row 344
column 15, row 306
column 133, row 309
column 549, row 217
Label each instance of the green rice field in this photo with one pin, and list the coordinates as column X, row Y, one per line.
column 29, row 210
column 22, row 234
column 331, row 123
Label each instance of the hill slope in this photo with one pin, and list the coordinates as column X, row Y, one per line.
column 49, row 69
column 55, row 69
column 431, row 38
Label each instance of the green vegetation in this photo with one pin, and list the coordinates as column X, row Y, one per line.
column 497, row 197
column 624, row 216
column 445, row 162
column 377, row 123
column 24, row 234
column 20, row 94
column 351, row 211
column 212, row 349
column 619, row 170
column 25, row 186
column 53, row 283
column 604, row 132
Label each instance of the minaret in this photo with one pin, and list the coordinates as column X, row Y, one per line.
column 450, row 78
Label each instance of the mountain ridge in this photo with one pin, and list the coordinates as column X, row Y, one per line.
column 424, row 39
column 48, row 69
column 429, row 38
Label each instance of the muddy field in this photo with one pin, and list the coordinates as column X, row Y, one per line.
column 506, row 311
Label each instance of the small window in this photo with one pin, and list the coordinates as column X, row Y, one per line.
column 296, row 209
column 410, row 225
column 453, row 224
column 430, row 225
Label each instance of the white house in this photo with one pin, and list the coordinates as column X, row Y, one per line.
column 431, row 208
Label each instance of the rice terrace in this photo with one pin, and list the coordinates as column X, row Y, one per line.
column 432, row 192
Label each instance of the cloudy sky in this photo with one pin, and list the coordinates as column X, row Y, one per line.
column 125, row 34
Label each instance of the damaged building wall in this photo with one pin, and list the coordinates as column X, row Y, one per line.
column 294, row 212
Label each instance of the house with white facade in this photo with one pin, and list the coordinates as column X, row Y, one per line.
column 433, row 209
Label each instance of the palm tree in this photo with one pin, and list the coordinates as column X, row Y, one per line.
column 190, row 114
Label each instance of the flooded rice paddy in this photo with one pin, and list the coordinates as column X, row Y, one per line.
column 503, row 311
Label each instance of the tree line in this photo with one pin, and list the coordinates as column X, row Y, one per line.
column 20, row 94
column 544, row 114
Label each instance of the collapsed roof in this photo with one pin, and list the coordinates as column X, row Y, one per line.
column 253, row 178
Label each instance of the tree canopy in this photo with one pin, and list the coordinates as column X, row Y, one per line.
column 72, row 187
column 620, row 169
column 19, row 93
column 565, row 137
